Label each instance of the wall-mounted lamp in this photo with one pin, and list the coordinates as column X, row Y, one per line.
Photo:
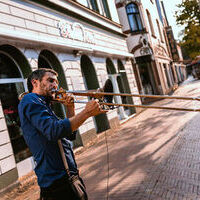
column 77, row 53
column 128, row 59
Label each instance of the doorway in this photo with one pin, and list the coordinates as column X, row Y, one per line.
column 146, row 75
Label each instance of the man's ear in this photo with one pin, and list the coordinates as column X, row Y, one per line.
column 34, row 83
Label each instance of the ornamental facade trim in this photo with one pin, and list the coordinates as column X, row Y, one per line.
column 75, row 31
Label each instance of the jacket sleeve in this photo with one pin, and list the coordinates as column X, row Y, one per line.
column 46, row 123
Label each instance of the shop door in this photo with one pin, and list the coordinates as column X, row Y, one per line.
column 147, row 79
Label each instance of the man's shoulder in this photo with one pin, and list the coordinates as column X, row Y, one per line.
column 29, row 99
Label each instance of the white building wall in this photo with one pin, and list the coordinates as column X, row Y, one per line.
column 7, row 160
column 32, row 23
column 113, row 11
column 83, row 2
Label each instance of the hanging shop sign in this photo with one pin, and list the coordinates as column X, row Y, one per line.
column 172, row 44
column 75, row 31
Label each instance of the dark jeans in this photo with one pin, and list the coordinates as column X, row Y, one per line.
column 59, row 190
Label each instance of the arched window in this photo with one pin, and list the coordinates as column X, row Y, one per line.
column 134, row 17
column 150, row 23
column 91, row 82
column 47, row 59
column 159, row 30
column 166, row 74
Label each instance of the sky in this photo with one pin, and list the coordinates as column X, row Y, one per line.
column 170, row 8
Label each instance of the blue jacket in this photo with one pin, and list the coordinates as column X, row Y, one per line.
column 41, row 131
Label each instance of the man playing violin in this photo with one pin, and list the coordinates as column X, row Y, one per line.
column 42, row 129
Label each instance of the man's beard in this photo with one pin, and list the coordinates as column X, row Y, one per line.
column 47, row 93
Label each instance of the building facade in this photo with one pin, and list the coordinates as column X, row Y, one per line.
column 83, row 41
column 145, row 24
column 179, row 68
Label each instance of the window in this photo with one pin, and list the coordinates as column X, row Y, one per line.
column 171, row 74
column 93, row 5
column 12, row 85
column 105, row 8
column 150, row 23
column 167, row 75
column 161, row 36
column 134, row 17
column 159, row 10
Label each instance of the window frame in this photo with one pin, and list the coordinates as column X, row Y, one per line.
column 150, row 24
column 105, row 8
column 159, row 30
column 136, row 18
column 93, row 5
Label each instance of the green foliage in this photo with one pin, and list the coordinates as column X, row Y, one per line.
column 189, row 15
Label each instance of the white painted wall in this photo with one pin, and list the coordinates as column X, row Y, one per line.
column 7, row 160
column 37, row 24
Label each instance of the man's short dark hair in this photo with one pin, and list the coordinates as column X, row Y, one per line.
column 38, row 75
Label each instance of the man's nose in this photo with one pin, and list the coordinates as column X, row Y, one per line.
column 55, row 85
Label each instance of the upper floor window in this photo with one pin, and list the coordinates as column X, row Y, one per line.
column 159, row 30
column 159, row 10
column 93, row 4
column 105, row 8
column 150, row 23
column 134, row 17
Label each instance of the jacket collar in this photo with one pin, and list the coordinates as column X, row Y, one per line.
column 45, row 100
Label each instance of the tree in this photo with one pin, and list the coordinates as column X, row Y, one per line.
column 189, row 15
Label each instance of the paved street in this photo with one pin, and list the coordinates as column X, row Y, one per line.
column 153, row 156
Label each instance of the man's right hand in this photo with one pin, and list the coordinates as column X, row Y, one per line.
column 93, row 108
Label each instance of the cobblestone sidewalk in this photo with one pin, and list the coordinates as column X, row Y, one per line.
column 178, row 177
